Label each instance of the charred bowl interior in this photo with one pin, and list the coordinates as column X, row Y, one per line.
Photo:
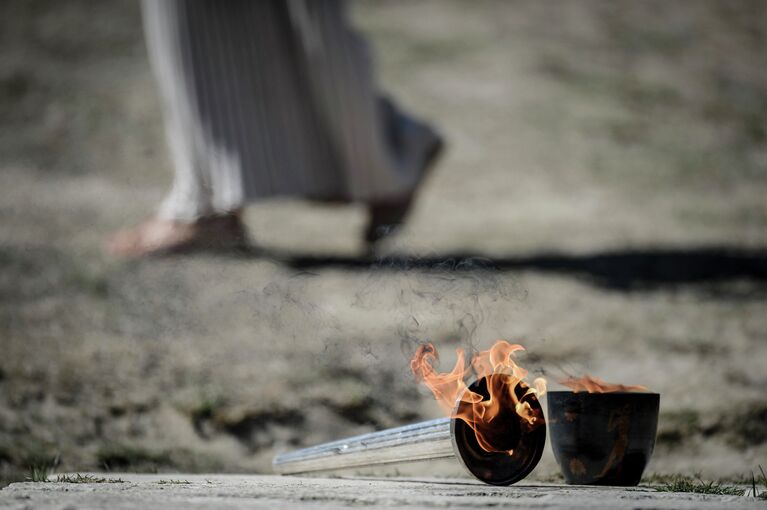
column 602, row 438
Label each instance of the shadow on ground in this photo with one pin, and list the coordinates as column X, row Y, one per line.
column 617, row 270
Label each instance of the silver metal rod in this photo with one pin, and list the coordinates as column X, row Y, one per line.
column 420, row 441
column 434, row 439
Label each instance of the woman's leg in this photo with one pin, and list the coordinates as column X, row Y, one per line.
column 168, row 46
column 384, row 152
column 187, row 217
column 274, row 98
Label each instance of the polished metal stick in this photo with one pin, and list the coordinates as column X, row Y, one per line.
column 420, row 441
column 434, row 439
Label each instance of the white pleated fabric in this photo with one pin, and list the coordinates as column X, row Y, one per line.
column 272, row 97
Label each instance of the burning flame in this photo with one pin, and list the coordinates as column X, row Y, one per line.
column 505, row 385
column 593, row 384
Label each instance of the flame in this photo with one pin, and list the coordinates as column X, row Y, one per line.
column 593, row 384
column 508, row 392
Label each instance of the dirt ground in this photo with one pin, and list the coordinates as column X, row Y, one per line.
column 602, row 202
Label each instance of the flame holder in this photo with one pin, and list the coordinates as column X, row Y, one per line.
column 602, row 438
column 434, row 439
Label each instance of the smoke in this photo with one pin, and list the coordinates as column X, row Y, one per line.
column 453, row 301
column 373, row 321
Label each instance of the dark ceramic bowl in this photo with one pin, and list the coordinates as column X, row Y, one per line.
column 602, row 438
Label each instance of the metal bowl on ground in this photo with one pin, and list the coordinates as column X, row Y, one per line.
column 602, row 438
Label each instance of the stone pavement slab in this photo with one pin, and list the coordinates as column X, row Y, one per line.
column 185, row 492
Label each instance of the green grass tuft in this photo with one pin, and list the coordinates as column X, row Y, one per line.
column 681, row 483
column 762, row 480
column 39, row 473
column 78, row 478
column 40, row 467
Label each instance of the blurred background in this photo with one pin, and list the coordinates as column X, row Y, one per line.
column 602, row 201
